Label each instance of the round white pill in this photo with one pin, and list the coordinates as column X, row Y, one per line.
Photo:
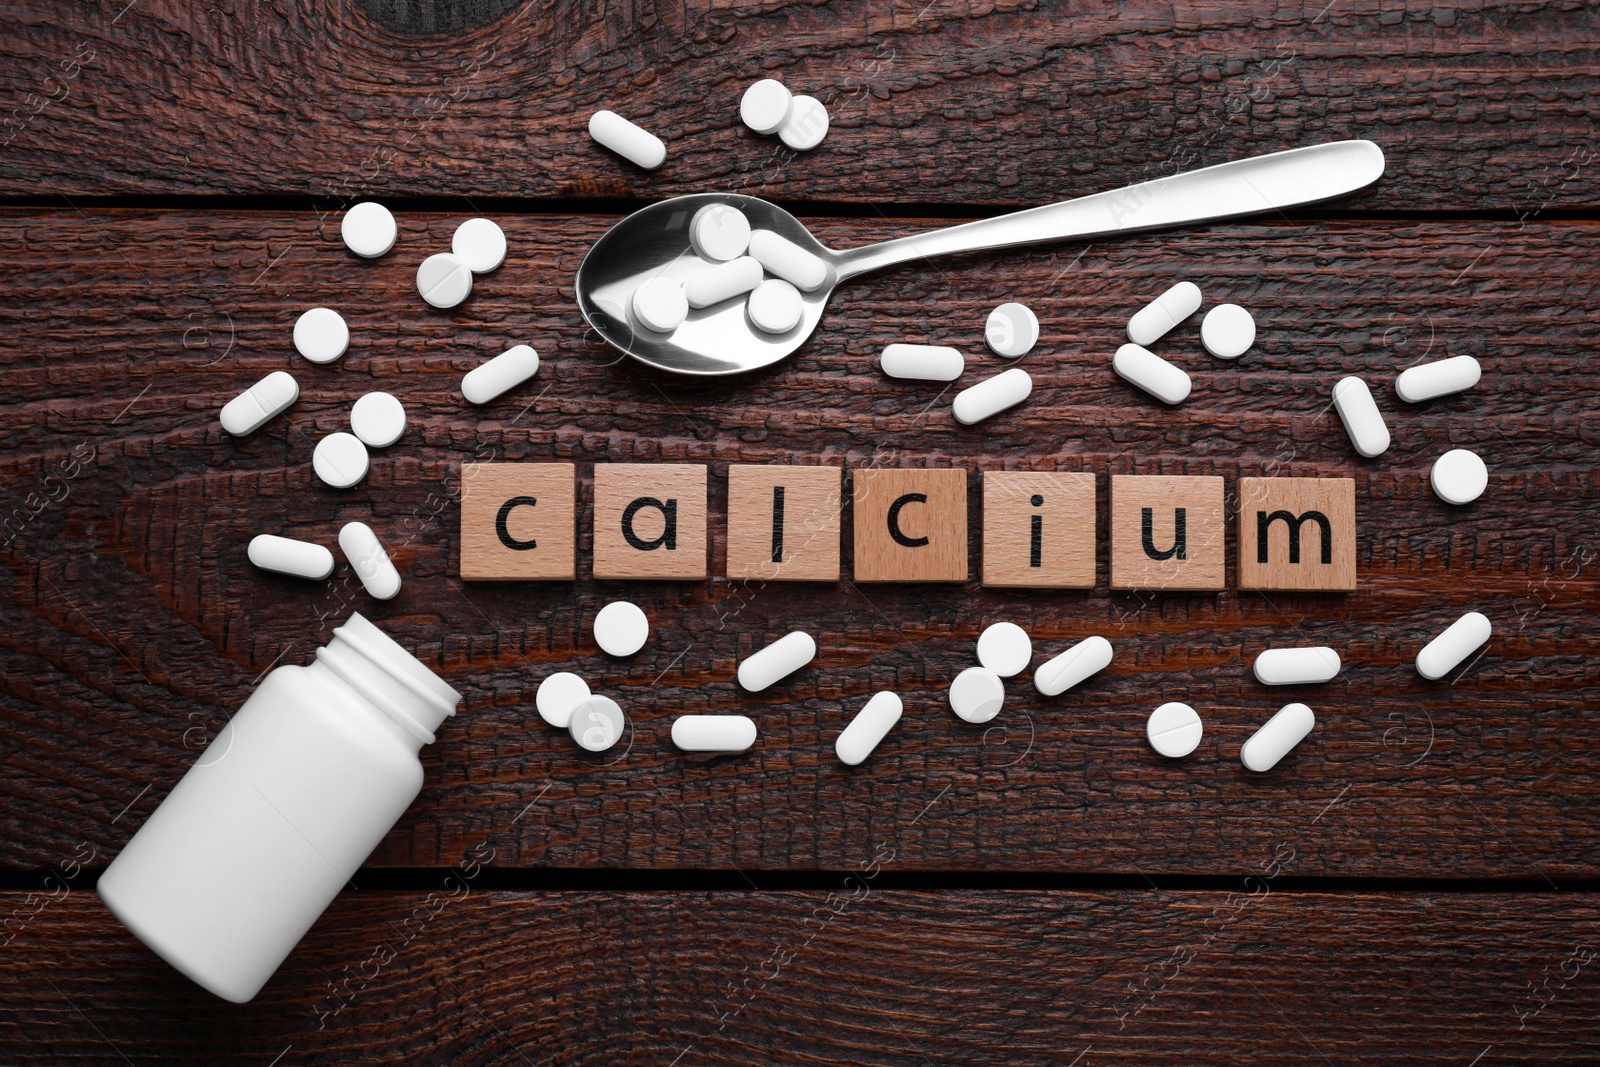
column 659, row 305
column 340, row 460
column 719, row 232
column 713, row 733
column 480, row 244
column 444, row 280
column 372, row 564
column 976, row 695
column 1227, row 331
column 621, row 628
column 1165, row 381
column 1459, row 476
column 285, row 555
column 1012, row 330
column 378, row 419
column 928, row 363
column 1151, row 322
column 596, row 724
column 1276, row 737
column 558, row 695
column 320, row 335
column 506, row 371
column 806, row 125
column 713, row 285
column 991, row 396
column 1060, row 673
column 368, row 229
column 775, row 306
column 1174, row 730
column 250, row 410
column 1005, row 649
column 765, row 106
column 778, row 660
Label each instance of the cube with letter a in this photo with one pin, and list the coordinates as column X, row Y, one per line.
column 649, row 520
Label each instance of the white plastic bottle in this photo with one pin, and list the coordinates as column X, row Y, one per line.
column 296, row 791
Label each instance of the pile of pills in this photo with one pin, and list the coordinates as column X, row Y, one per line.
column 1227, row 332
column 1011, row 331
column 564, row 701
column 444, row 279
column 800, row 122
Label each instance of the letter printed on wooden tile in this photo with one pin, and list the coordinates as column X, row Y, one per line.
column 649, row 520
column 518, row 521
column 910, row 525
column 1038, row 530
column 1297, row 533
column 783, row 522
column 1168, row 532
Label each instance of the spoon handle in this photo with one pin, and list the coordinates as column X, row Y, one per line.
column 1228, row 190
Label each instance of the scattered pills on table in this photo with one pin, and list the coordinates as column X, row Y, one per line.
column 285, row 555
column 1459, row 476
column 719, row 232
column 787, row 260
column 320, row 335
column 976, row 695
column 806, row 125
column 268, row 398
column 633, row 143
column 713, row 733
column 506, row 371
column 480, row 244
column 765, row 106
column 596, row 723
column 444, row 280
column 1165, row 381
column 621, row 628
column 991, row 396
column 1174, row 730
column 870, row 726
column 775, row 306
column 1447, row 651
column 1087, row 657
column 1151, row 322
column 927, row 363
column 340, row 460
column 1227, row 331
column 659, row 305
column 1296, row 666
column 378, row 419
column 369, row 560
column 1439, row 378
column 1012, row 330
column 558, row 695
column 1276, row 737
column 368, row 229
column 1361, row 417
column 1005, row 648
column 713, row 285
column 778, row 660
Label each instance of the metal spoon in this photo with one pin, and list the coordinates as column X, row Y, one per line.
column 721, row 339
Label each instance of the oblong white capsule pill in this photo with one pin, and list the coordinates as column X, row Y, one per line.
column 443, row 280
column 378, row 419
column 1071, row 667
column 1443, row 376
column 1459, row 476
column 713, row 733
column 765, row 106
column 977, row 694
column 321, row 335
column 1153, row 320
column 1165, row 381
column 480, row 244
column 506, row 371
column 1447, row 651
column 775, row 306
column 1276, row 737
column 870, row 726
column 340, row 460
column 633, row 143
column 1227, row 331
column 1174, row 730
column 285, row 555
column 558, row 695
column 719, row 232
column 371, row 563
column 596, row 724
column 1005, row 648
column 713, row 285
column 928, row 363
column 368, row 229
column 991, row 396
column 1361, row 417
column 787, row 260
column 778, row 660
column 621, row 628
column 806, row 125
column 1296, row 666
column 659, row 305
column 1011, row 330
column 250, row 410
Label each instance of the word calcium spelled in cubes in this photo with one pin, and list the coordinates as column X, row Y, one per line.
column 868, row 729
column 267, row 399
column 285, row 555
column 1277, row 736
column 713, row 733
column 633, row 143
column 1447, row 651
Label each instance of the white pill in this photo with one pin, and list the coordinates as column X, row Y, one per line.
column 368, row 229
column 1459, row 476
column 506, row 371
column 1227, row 331
column 320, row 335
column 621, row 628
column 371, row 563
column 659, row 305
column 1174, row 730
column 480, row 244
column 1164, row 381
column 719, row 232
column 778, row 660
column 378, row 419
column 285, row 555
column 1005, row 649
column 1151, row 322
column 713, row 285
column 775, row 306
column 444, row 280
column 1296, row 666
column 976, row 695
column 713, row 733
column 1276, row 737
column 637, row 145
column 249, row 411
column 806, row 125
column 765, row 106
column 596, row 724
column 1439, row 378
column 1446, row 652
column 787, row 260
column 558, row 695
column 340, row 460
column 991, row 396
column 927, row 363
column 1077, row 663
column 1012, row 330
column 1361, row 417
column 871, row 724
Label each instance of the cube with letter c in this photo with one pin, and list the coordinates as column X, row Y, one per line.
column 910, row 525
column 518, row 522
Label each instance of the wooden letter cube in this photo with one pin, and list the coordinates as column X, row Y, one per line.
column 1038, row 530
column 1167, row 532
column 518, row 521
column 649, row 520
column 783, row 522
column 1297, row 533
column 910, row 525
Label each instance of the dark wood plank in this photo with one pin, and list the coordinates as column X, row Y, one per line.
column 1478, row 106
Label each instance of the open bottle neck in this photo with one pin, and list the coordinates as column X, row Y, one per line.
column 392, row 679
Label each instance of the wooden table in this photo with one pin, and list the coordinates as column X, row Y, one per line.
column 1412, row 885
